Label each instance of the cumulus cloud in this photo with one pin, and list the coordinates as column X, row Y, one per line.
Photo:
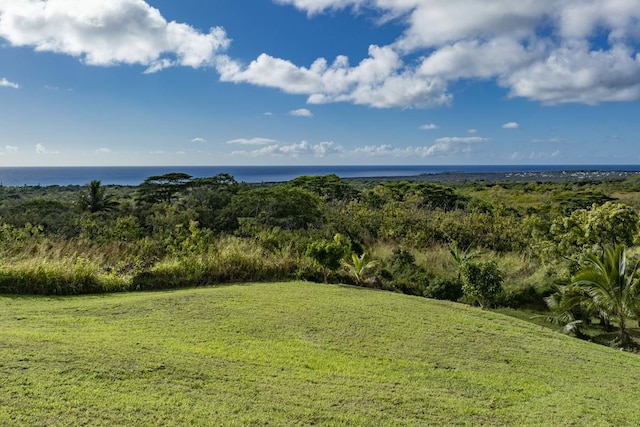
column 301, row 149
column 6, row 83
column 380, row 80
column 511, row 125
column 108, row 33
column 11, row 149
column 430, row 126
column 552, row 51
column 472, row 131
column 198, row 140
column 549, row 51
column 252, row 141
column 301, row 112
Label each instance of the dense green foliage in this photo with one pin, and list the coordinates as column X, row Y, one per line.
column 604, row 287
column 298, row 354
column 96, row 199
column 485, row 243
column 482, row 282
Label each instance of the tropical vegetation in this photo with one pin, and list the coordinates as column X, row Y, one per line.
column 496, row 244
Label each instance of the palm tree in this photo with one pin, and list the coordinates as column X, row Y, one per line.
column 359, row 267
column 96, row 199
column 603, row 285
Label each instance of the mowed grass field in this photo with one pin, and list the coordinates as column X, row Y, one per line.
column 298, row 354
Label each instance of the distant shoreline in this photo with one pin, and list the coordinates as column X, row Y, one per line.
column 530, row 176
column 134, row 176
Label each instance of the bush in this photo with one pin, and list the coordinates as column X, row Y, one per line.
column 482, row 282
column 444, row 289
column 416, row 284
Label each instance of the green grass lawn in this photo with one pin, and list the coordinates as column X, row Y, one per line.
column 298, row 354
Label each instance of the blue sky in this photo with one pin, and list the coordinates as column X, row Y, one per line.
column 269, row 82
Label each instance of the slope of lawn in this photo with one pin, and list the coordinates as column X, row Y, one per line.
column 298, row 354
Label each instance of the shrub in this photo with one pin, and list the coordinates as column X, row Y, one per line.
column 444, row 289
column 482, row 282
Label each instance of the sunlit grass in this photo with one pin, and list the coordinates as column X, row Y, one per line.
column 298, row 354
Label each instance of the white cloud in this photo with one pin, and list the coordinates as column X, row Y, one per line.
column 42, row 150
column 472, row 131
column 11, row 149
column 378, row 81
column 198, row 140
column 549, row 51
column 268, row 113
column 442, row 147
column 549, row 141
column 6, row 83
column 301, row 149
column 463, row 140
column 574, row 73
column 385, row 151
column 252, row 141
column 451, row 145
column 511, row 125
column 430, row 126
column 103, row 151
column 535, row 155
column 108, row 33
column 301, row 112
column 317, row 6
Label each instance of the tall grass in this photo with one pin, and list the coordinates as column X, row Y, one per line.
column 69, row 276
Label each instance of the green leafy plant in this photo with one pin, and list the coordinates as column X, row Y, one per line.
column 328, row 254
column 96, row 199
column 482, row 282
column 359, row 267
column 605, row 286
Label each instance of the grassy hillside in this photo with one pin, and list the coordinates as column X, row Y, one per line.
column 298, row 354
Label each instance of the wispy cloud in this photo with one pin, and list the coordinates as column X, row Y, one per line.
column 296, row 150
column 430, row 126
column 11, row 149
column 103, row 150
column 549, row 141
column 301, row 112
column 43, row 151
column 252, row 141
column 199, row 140
column 511, row 125
column 463, row 139
column 6, row 83
column 451, row 145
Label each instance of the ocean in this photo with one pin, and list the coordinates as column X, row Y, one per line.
column 134, row 175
